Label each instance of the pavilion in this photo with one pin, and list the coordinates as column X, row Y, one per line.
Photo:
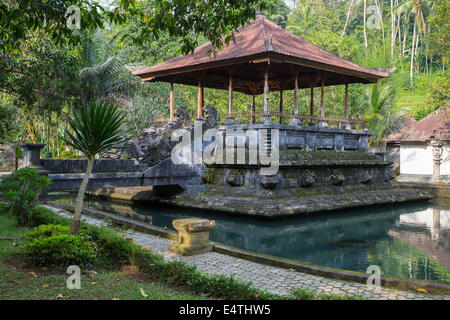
column 262, row 58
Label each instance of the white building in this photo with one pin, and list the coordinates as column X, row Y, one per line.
column 422, row 144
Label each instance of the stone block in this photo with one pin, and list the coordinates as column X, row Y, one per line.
column 7, row 157
column 193, row 236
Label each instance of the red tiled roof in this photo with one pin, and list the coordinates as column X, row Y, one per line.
column 262, row 38
column 436, row 124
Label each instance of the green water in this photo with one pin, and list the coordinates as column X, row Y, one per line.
column 408, row 241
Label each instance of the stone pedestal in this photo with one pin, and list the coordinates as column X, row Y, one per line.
column 266, row 120
column 32, row 156
column 296, row 122
column 230, row 120
column 193, row 236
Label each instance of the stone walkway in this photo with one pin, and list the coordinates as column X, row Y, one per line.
column 273, row 279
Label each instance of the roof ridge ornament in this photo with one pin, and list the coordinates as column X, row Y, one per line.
column 267, row 42
column 260, row 14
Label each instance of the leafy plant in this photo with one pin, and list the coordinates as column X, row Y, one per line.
column 381, row 117
column 41, row 215
column 94, row 128
column 52, row 244
column 45, row 231
column 23, row 188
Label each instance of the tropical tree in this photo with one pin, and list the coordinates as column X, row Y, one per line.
column 415, row 8
column 108, row 80
column 94, row 128
column 181, row 18
column 382, row 118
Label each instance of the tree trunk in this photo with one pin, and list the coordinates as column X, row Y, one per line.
column 364, row 26
column 404, row 37
column 416, row 55
column 346, row 20
column 412, row 55
column 392, row 29
column 80, row 199
column 380, row 14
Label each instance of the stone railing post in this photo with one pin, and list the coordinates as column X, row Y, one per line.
column 437, row 158
column 193, row 236
column 363, row 144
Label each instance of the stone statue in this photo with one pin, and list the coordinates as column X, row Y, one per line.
column 210, row 114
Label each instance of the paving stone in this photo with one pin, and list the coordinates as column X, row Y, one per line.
column 273, row 279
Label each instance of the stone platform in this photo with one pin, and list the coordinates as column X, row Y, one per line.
column 133, row 194
column 273, row 206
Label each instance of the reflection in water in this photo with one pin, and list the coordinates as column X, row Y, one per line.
column 411, row 240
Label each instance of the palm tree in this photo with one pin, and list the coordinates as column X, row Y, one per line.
column 302, row 18
column 95, row 127
column 382, row 118
column 416, row 8
column 101, row 77
column 108, row 80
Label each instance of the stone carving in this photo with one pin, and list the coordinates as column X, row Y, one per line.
column 155, row 144
column 210, row 114
column 269, row 182
column 235, row 178
column 337, row 178
column 437, row 158
column 181, row 115
column 366, row 178
column 306, row 180
column 193, row 236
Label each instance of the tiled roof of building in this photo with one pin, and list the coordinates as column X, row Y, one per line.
column 436, row 124
column 262, row 38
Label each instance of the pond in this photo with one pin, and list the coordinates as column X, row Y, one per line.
column 409, row 241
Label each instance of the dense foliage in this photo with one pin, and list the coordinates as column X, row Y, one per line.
column 46, row 68
column 53, row 245
column 23, row 188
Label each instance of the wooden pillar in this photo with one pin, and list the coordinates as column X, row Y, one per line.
column 296, row 107
column 230, row 96
column 346, row 100
column 266, row 93
column 322, row 98
column 281, row 106
column 172, row 102
column 200, row 101
column 253, row 108
column 311, row 104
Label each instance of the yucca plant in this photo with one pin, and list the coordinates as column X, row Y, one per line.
column 94, row 128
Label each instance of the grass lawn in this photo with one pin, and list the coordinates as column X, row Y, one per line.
column 20, row 280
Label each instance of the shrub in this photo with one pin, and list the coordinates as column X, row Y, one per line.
column 45, row 231
column 4, row 208
column 41, row 215
column 52, row 244
column 113, row 249
column 23, row 188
